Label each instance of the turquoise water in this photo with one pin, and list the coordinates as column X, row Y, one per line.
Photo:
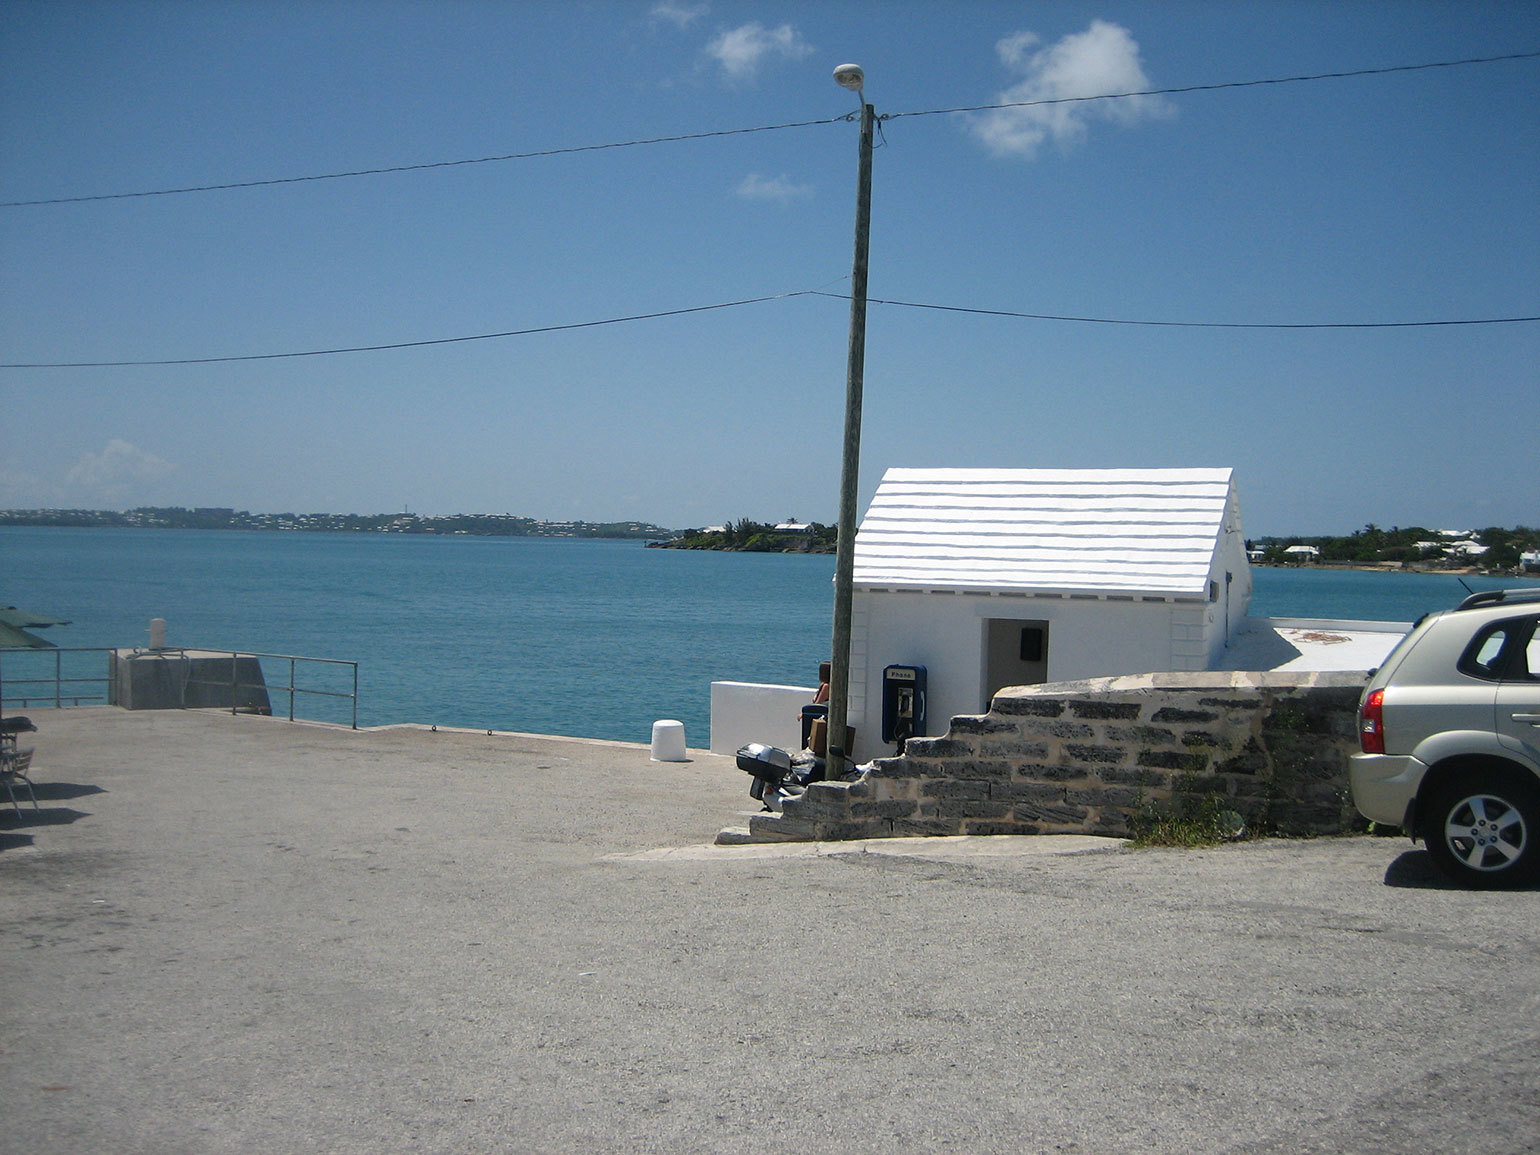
column 587, row 638
column 1361, row 595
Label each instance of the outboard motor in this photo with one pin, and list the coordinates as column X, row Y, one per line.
column 775, row 777
column 769, row 766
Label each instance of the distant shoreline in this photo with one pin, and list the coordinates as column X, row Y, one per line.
column 746, row 537
column 452, row 525
column 1369, row 567
column 800, row 547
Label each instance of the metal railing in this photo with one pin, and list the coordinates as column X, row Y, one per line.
column 236, row 685
column 64, row 684
column 53, row 685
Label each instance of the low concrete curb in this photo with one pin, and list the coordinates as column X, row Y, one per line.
column 735, row 843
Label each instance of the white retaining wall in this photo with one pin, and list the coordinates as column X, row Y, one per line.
column 743, row 712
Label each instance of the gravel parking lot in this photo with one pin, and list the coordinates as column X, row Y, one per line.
column 235, row 934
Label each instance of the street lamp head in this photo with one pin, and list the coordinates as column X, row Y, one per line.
column 850, row 76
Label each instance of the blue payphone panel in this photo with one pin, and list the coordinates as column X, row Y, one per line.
column 903, row 704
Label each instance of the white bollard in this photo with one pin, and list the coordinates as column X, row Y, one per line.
column 668, row 741
column 157, row 633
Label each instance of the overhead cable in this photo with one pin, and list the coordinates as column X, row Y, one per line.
column 1177, row 91
column 1189, row 324
column 1060, row 317
column 164, row 192
column 403, row 344
column 1173, row 91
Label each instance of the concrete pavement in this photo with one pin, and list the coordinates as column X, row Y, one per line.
column 240, row 934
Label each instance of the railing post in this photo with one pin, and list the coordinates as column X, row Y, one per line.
column 58, row 674
column 235, row 682
column 355, row 695
column 291, row 689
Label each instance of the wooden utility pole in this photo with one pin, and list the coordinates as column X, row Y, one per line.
column 845, row 551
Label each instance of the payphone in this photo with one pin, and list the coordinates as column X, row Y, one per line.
column 903, row 704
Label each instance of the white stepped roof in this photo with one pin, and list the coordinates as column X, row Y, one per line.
column 1100, row 531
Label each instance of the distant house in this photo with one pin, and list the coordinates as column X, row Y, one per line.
column 998, row 577
column 1302, row 554
column 1468, row 548
column 792, row 525
column 1529, row 561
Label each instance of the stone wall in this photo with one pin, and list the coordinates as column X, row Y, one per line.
column 1087, row 757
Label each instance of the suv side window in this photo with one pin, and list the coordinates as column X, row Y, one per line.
column 1508, row 649
column 1528, row 667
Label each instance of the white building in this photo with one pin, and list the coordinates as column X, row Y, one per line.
column 991, row 578
column 1001, row 577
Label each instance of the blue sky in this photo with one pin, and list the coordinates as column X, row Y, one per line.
column 1408, row 196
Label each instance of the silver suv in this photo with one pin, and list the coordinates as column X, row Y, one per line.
column 1450, row 730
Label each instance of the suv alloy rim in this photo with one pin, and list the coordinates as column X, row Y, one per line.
column 1485, row 832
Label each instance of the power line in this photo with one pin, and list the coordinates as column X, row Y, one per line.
column 1177, row 91
column 165, row 192
column 1172, row 91
column 403, row 344
column 1191, row 324
column 1060, row 317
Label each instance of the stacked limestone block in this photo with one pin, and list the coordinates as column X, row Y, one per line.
column 1087, row 757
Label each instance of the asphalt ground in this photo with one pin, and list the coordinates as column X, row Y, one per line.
column 241, row 934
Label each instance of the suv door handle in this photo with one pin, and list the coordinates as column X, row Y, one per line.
column 1532, row 719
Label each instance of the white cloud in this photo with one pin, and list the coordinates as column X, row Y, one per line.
column 775, row 188
column 115, row 472
column 678, row 14
column 1013, row 49
column 1101, row 60
column 740, row 50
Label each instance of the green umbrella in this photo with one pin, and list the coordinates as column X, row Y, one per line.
column 14, row 624
column 13, row 639
column 13, row 634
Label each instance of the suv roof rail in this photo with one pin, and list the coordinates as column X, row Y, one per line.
column 1492, row 597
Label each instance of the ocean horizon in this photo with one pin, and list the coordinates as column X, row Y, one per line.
column 583, row 638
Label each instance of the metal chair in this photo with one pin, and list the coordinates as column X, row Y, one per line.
column 13, row 768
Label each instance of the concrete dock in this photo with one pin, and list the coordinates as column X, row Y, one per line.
column 234, row 933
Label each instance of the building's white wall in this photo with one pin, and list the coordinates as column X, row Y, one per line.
column 855, row 702
column 1193, row 629
column 1227, row 616
column 743, row 712
column 945, row 634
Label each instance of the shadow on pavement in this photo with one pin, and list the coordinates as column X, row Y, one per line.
column 58, row 791
column 1415, row 869
column 48, row 816
column 13, row 825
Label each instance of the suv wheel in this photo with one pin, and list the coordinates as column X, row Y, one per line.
column 1483, row 829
